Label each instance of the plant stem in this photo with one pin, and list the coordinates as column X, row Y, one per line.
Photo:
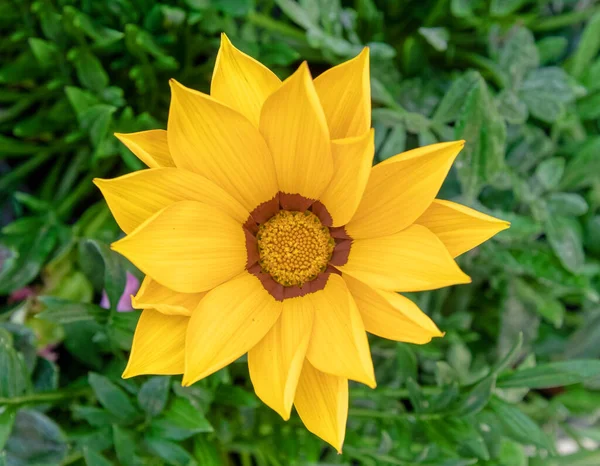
column 561, row 21
column 273, row 25
column 23, row 170
column 359, row 412
column 47, row 397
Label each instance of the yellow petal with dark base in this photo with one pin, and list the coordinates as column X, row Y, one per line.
column 276, row 361
column 151, row 147
column 241, row 82
column 412, row 260
column 459, row 227
column 401, row 188
column 153, row 295
column 213, row 140
column 390, row 315
column 339, row 344
column 294, row 126
column 322, row 404
column 158, row 345
column 352, row 160
column 229, row 321
column 134, row 198
column 345, row 94
column 188, row 247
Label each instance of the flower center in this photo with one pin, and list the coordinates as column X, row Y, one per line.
column 294, row 247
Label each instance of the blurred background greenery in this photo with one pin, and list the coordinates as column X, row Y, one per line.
column 515, row 381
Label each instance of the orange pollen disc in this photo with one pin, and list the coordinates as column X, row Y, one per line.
column 294, row 247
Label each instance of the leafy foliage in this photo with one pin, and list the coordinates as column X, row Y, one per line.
column 518, row 368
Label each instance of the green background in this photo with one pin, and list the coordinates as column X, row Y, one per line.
column 518, row 369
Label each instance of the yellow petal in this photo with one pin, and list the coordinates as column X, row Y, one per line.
column 459, row 227
column 322, row 404
column 156, row 296
column 345, row 94
column 150, row 147
column 412, row 260
column 276, row 361
column 241, row 82
column 189, row 247
column 294, row 126
column 352, row 160
column 158, row 345
column 338, row 344
column 230, row 320
column 134, row 198
column 217, row 142
column 401, row 188
column 390, row 315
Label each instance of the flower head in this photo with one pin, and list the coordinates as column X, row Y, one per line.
column 262, row 228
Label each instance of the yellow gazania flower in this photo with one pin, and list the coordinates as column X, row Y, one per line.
column 262, row 229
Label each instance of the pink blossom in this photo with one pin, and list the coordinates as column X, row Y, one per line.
column 124, row 305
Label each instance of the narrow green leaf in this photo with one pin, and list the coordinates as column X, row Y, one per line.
column 552, row 374
column 519, row 426
column 112, row 397
column 153, row 395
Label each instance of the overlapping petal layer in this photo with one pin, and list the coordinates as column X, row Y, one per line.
column 412, row 260
column 459, row 227
column 276, row 361
column 151, row 147
column 135, row 197
column 153, row 295
column 241, row 82
column 345, row 94
column 230, row 320
column 338, row 344
column 352, row 160
column 293, row 124
column 390, row 315
column 322, row 404
column 158, row 345
column 213, row 140
column 188, row 247
column 401, row 188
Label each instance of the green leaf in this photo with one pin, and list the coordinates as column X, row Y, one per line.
column 545, row 91
column 125, row 447
column 552, row 48
column 518, row 426
column 588, row 47
column 550, row 171
column 153, row 395
column 80, row 100
column 232, row 395
column 505, row 7
column 14, row 378
column 583, row 169
column 180, row 421
column 7, row 420
column 45, row 52
column 566, row 242
column 453, row 101
column 36, row 440
column 552, row 374
column 170, row 452
column 588, row 107
column 407, row 363
column 484, row 129
column 477, row 398
column 512, row 109
column 567, row 204
column 519, row 54
column 93, row 458
column 113, row 271
column 541, row 301
column 90, row 72
column 96, row 417
column 112, row 398
column 62, row 311
column 436, row 37
column 511, row 355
